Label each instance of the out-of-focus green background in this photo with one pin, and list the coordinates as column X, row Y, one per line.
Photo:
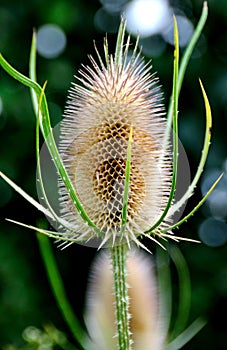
column 25, row 296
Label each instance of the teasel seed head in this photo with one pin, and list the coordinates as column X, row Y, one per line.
column 116, row 97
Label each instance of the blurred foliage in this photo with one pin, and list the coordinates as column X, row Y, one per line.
column 25, row 296
column 48, row 338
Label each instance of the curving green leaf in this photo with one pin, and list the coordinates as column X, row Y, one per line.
column 58, row 219
column 185, row 218
column 60, row 236
column 184, row 300
column 204, row 154
column 49, row 138
column 175, row 95
column 59, row 292
column 164, row 290
column 186, row 335
column 184, row 63
column 31, row 200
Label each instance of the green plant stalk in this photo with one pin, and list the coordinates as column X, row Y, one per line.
column 119, row 255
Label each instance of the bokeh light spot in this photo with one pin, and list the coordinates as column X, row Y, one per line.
column 51, row 41
column 153, row 46
column 217, row 200
column 225, row 166
column 185, row 29
column 105, row 21
column 218, row 204
column 213, row 232
column 209, row 177
column 147, row 17
column 113, row 5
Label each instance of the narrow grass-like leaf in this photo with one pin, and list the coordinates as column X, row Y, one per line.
column 175, row 128
column 184, row 63
column 32, row 72
column 184, row 299
column 204, row 154
column 59, row 220
column 31, row 200
column 190, row 47
column 185, row 218
column 59, row 292
column 52, row 234
column 165, row 290
column 39, row 175
column 18, row 76
column 186, row 335
column 37, row 110
column 48, row 136
column 48, row 233
column 27, row 82
column 50, row 141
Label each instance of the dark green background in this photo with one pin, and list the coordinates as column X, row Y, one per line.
column 25, row 296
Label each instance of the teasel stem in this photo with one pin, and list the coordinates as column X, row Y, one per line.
column 119, row 254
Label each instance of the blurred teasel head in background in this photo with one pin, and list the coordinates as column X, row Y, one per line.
column 146, row 324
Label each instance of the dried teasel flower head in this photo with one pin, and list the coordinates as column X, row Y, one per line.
column 117, row 176
column 115, row 115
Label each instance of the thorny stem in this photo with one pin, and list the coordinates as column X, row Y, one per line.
column 119, row 254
